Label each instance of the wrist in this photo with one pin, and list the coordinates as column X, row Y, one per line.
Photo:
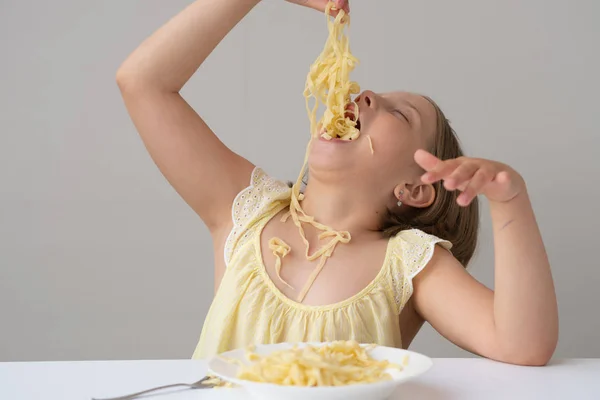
column 519, row 187
column 504, row 213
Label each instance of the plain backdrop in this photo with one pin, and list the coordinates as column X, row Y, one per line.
column 99, row 257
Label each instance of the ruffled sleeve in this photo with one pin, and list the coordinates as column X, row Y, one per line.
column 412, row 251
column 262, row 195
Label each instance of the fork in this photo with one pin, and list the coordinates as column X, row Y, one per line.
column 196, row 385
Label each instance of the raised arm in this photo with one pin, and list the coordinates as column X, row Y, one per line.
column 518, row 321
column 206, row 173
column 196, row 163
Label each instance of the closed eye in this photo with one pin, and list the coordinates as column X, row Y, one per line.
column 401, row 114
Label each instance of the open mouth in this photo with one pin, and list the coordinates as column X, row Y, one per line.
column 352, row 119
column 353, row 115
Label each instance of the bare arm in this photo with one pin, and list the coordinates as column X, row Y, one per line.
column 518, row 321
column 525, row 305
column 196, row 163
column 206, row 173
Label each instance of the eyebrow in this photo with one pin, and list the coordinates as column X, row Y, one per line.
column 414, row 109
column 408, row 103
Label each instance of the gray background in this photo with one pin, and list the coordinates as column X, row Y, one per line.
column 100, row 259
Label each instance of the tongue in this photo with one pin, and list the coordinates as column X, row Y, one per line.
column 350, row 115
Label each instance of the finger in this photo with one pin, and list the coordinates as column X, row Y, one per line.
column 442, row 170
column 503, row 178
column 343, row 5
column 426, row 160
column 463, row 186
column 475, row 186
column 318, row 5
column 461, row 175
column 435, row 167
column 335, row 10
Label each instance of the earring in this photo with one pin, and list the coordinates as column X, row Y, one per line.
column 400, row 201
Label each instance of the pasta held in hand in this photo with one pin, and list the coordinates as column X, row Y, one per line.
column 335, row 364
column 328, row 82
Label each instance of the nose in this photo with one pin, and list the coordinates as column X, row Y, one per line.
column 366, row 99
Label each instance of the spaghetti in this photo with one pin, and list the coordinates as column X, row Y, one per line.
column 371, row 144
column 328, row 83
column 337, row 363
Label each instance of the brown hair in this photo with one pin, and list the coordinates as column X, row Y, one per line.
column 444, row 218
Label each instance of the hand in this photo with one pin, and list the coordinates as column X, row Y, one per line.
column 320, row 5
column 472, row 176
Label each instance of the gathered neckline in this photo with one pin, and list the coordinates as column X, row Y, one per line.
column 306, row 307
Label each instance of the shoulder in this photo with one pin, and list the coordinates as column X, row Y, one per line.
column 412, row 250
column 417, row 236
column 262, row 182
column 263, row 194
column 262, row 190
column 416, row 248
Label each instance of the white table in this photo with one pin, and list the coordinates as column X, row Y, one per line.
column 462, row 379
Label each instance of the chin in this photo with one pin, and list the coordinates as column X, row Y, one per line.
column 318, row 164
column 329, row 157
column 345, row 156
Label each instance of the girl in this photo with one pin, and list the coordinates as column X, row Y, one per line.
column 403, row 223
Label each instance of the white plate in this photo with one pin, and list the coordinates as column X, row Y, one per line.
column 417, row 365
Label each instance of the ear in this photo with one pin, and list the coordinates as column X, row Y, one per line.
column 419, row 195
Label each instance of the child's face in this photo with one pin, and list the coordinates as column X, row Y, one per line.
column 397, row 123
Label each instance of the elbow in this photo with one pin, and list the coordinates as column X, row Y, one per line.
column 131, row 78
column 132, row 82
column 126, row 79
column 531, row 356
column 121, row 77
column 529, row 348
column 534, row 359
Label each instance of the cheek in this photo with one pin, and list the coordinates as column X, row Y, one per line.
column 393, row 149
column 390, row 129
column 390, row 142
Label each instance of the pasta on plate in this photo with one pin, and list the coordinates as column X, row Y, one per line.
column 337, row 363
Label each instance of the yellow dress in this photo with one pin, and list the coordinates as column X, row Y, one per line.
column 249, row 309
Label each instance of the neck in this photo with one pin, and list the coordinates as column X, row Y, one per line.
column 343, row 207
